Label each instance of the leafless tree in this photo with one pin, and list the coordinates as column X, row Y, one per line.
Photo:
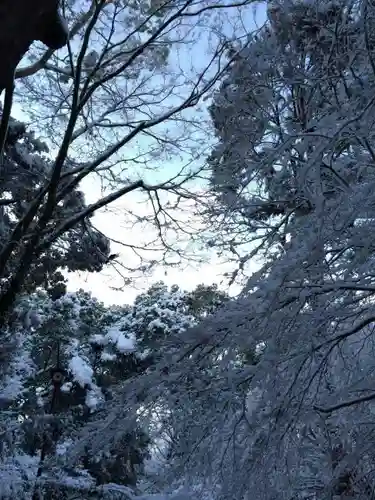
column 117, row 104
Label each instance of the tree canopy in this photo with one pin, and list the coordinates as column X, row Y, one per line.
column 194, row 394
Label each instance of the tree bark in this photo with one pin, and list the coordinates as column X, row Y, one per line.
column 22, row 22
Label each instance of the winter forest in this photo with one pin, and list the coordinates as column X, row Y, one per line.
column 199, row 131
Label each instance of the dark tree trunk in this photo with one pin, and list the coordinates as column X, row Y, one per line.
column 22, row 22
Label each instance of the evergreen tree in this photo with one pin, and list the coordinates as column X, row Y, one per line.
column 76, row 357
column 292, row 186
column 24, row 168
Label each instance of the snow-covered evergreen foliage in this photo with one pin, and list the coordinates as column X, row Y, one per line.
column 23, row 170
column 293, row 186
column 95, row 350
